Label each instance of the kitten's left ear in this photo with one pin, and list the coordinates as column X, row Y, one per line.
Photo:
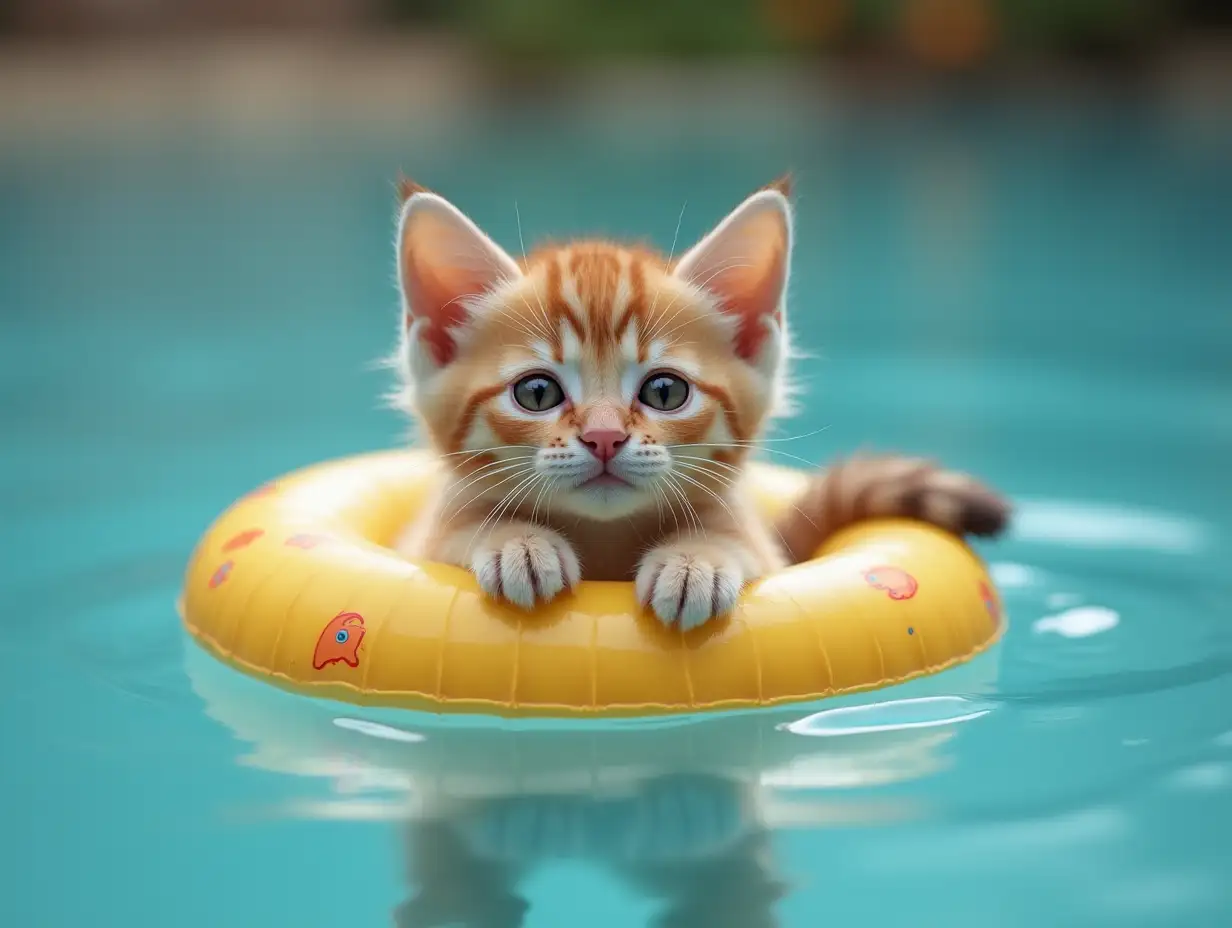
column 444, row 261
column 744, row 262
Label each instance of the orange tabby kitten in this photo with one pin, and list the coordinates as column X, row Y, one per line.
column 595, row 404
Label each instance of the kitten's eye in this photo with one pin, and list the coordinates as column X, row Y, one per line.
column 664, row 392
column 538, row 393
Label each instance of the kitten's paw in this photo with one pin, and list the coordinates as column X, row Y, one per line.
column 525, row 564
column 687, row 585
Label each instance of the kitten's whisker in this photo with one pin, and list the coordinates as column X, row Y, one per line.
column 671, row 509
column 529, row 326
column 479, row 451
column 659, row 323
column 759, row 441
column 727, row 478
column 695, row 457
column 508, row 500
column 675, row 343
column 718, row 499
column 555, row 485
column 730, row 265
column 664, row 319
column 518, row 458
column 723, row 480
column 461, row 467
column 666, row 485
column 525, row 261
column 518, row 466
column 484, row 473
column 521, row 323
column 654, row 488
column 737, row 473
column 525, row 496
column 658, row 505
column 519, row 469
column 770, row 523
column 481, row 491
column 670, row 485
column 695, row 523
column 733, row 445
column 542, row 329
column 657, row 330
column 499, row 510
column 484, row 482
column 698, row 521
column 787, row 454
column 670, row 256
column 547, row 487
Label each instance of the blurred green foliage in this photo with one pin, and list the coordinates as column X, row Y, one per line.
column 582, row 29
column 948, row 31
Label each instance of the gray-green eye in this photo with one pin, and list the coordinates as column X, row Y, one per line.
column 664, row 392
column 538, row 393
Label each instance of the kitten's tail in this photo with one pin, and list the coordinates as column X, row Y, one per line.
column 886, row 487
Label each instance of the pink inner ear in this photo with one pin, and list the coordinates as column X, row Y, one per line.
column 743, row 264
column 444, row 260
column 436, row 295
column 751, row 294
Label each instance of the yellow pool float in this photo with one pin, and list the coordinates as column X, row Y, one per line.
column 297, row 584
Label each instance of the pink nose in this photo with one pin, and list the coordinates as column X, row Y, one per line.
column 604, row 443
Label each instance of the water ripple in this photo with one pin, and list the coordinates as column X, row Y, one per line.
column 896, row 715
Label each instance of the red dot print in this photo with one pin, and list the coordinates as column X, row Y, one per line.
column 243, row 539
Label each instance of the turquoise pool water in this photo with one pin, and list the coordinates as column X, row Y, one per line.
column 1042, row 297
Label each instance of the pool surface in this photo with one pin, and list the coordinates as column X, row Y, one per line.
column 1043, row 297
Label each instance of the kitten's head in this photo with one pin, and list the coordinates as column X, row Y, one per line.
column 593, row 378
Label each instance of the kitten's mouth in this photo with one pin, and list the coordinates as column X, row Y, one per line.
column 605, row 480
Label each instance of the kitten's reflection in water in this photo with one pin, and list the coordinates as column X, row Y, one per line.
column 690, row 842
column 681, row 813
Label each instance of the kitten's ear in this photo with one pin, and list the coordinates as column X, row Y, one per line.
column 443, row 258
column 744, row 262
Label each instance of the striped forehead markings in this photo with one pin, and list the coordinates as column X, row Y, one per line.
column 595, row 300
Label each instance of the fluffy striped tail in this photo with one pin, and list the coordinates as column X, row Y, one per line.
column 887, row 487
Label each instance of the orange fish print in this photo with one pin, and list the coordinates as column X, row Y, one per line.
column 339, row 641
column 897, row 583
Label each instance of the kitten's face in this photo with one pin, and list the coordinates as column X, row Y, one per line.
column 594, row 379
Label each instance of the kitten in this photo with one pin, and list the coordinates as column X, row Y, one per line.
column 595, row 404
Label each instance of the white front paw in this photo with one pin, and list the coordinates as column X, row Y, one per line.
column 525, row 564
column 688, row 587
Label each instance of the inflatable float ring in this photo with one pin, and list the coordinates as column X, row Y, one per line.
column 296, row 584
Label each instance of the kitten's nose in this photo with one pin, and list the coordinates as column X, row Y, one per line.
column 604, row 443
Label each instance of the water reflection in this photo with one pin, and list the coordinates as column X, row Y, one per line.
column 1079, row 622
column 692, row 843
column 680, row 813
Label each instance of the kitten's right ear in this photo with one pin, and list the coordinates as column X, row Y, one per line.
column 443, row 259
column 744, row 264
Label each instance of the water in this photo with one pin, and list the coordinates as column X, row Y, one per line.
column 1042, row 297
